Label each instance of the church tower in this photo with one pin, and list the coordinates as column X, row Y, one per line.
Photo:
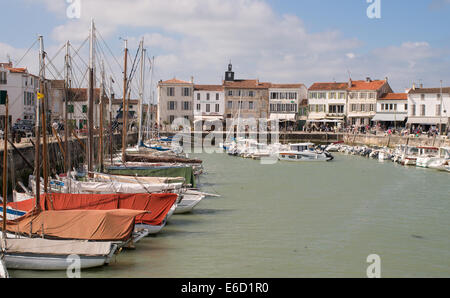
column 229, row 75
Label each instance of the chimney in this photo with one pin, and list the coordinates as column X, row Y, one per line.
column 414, row 86
column 386, row 79
column 421, row 86
column 368, row 80
column 350, row 83
column 192, row 79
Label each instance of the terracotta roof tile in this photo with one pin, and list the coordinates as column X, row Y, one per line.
column 286, row 86
column 208, row 88
column 394, row 96
column 175, row 81
column 328, row 86
column 367, row 85
column 246, row 84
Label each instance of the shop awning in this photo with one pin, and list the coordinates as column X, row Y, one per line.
column 389, row 117
column 281, row 117
column 325, row 121
column 208, row 118
column 427, row 120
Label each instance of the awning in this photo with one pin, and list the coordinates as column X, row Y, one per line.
column 389, row 117
column 325, row 121
column 427, row 120
column 286, row 117
column 208, row 118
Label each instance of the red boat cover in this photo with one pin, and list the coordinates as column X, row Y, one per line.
column 157, row 204
column 96, row 225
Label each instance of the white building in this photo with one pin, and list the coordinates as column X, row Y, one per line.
column 284, row 101
column 209, row 103
column 428, row 107
column 327, row 103
column 21, row 87
column 392, row 110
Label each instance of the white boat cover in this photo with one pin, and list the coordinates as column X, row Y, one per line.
column 121, row 187
column 57, row 247
column 133, row 179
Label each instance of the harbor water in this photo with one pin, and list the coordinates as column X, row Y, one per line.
column 299, row 220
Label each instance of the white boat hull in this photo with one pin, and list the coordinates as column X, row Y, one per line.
column 49, row 262
column 188, row 203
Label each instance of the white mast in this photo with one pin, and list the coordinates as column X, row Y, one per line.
column 141, row 93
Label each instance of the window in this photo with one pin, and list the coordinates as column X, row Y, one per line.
column 186, row 91
column 229, row 104
column 3, row 79
column 322, row 95
column 85, row 109
column 170, row 91
column 171, row 119
column 207, row 96
column 250, row 105
column 230, row 92
column 217, row 96
column 363, row 95
column 251, row 94
column 199, row 107
column 332, row 95
column 413, row 110
column 208, row 108
column 172, row 105
column 198, row 96
column 70, row 109
column 186, row 105
column 438, row 110
column 372, row 107
column 406, row 106
column 372, row 95
column 341, row 95
column 422, row 110
column 313, row 95
column 422, row 96
column 217, row 108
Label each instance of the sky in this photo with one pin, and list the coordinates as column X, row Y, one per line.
column 279, row 41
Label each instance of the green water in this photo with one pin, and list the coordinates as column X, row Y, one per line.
column 300, row 220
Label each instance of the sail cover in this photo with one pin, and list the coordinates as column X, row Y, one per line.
column 94, row 225
column 157, row 204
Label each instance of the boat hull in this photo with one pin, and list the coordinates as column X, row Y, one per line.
column 42, row 262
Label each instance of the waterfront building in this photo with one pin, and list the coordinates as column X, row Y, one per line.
column 77, row 108
column 362, row 100
column 327, row 103
column 245, row 98
column 209, row 103
column 392, row 110
column 175, row 100
column 21, row 87
column 429, row 107
column 285, row 101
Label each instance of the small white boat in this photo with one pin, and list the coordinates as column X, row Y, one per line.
column 52, row 255
column 441, row 160
column 188, row 202
column 426, row 155
column 304, row 152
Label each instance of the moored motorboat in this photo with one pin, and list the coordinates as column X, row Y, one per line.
column 426, row 155
column 304, row 152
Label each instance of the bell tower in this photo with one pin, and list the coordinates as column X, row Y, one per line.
column 229, row 75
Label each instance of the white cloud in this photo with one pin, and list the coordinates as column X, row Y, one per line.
column 199, row 37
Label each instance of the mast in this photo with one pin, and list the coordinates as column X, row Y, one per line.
column 37, row 165
column 90, row 149
column 102, row 94
column 141, row 92
column 44, row 118
column 5, row 167
column 124, row 105
column 111, row 119
column 66, row 104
